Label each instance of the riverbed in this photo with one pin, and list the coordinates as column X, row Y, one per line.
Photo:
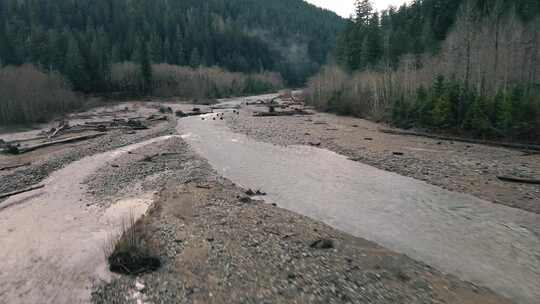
column 489, row 244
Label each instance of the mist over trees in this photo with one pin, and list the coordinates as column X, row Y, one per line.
column 464, row 66
column 83, row 38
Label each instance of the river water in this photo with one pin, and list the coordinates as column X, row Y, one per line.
column 485, row 243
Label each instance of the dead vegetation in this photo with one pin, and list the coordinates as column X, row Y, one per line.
column 130, row 254
column 201, row 84
column 29, row 95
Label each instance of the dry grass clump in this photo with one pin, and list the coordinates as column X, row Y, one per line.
column 130, row 254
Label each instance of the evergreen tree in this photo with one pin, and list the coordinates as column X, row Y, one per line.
column 36, row 31
column 146, row 67
column 364, row 10
column 75, row 65
column 195, row 58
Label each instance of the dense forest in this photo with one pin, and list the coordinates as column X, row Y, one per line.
column 463, row 66
column 83, row 38
column 131, row 48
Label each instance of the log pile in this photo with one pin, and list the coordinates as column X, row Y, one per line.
column 17, row 149
column 99, row 126
column 65, row 133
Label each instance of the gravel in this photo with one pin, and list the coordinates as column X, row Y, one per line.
column 219, row 246
column 58, row 158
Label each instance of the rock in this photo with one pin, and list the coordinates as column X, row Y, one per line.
column 245, row 199
column 139, row 286
column 403, row 276
column 322, row 244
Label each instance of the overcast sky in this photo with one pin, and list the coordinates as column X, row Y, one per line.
column 346, row 7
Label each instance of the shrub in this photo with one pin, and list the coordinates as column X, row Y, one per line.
column 28, row 95
column 130, row 254
column 191, row 83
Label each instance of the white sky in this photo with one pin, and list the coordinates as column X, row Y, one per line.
column 346, row 7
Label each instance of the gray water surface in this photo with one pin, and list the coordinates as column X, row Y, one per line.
column 487, row 244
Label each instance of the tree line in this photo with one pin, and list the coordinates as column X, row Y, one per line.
column 462, row 66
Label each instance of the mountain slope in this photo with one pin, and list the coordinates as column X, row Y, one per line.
column 289, row 36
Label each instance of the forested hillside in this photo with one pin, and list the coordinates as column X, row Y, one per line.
column 464, row 66
column 83, row 38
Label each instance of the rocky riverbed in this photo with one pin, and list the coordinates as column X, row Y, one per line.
column 220, row 246
column 217, row 242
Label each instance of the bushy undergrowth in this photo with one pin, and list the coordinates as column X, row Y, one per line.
column 185, row 82
column 28, row 94
column 446, row 105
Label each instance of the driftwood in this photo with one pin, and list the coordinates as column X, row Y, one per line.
column 9, row 194
column 282, row 113
column 180, row 113
column 531, row 153
column 519, row 180
column 14, row 166
column 150, row 158
column 466, row 140
column 20, row 150
column 61, row 127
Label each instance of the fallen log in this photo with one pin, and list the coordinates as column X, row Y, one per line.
column 282, row 113
column 531, row 153
column 9, row 194
column 193, row 113
column 56, row 131
column 21, row 150
column 14, row 166
column 466, row 140
column 519, row 180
